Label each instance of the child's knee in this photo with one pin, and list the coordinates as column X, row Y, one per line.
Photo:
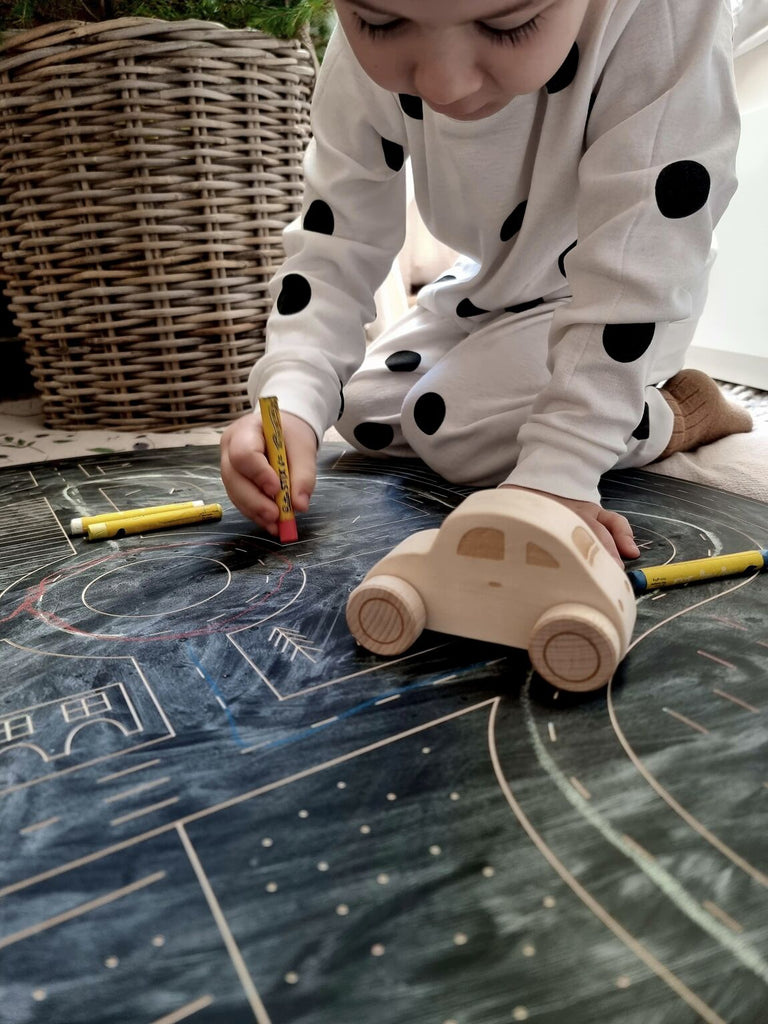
column 460, row 452
column 357, row 426
column 370, row 418
column 351, row 410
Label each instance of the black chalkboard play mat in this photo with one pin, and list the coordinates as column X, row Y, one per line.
column 217, row 809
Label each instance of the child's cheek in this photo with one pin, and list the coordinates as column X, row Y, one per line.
column 530, row 69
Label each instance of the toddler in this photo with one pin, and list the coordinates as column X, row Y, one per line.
column 577, row 154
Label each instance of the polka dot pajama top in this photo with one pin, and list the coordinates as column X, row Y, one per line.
column 594, row 198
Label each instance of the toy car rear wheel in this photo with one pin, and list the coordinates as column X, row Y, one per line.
column 385, row 614
column 575, row 647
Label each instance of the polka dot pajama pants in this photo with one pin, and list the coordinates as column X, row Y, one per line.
column 455, row 395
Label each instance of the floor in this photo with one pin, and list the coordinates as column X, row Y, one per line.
column 25, row 438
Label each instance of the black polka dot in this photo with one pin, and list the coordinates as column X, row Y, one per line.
column 521, row 307
column 394, row 154
column 563, row 254
column 411, row 105
column 514, row 222
column 643, row 429
column 374, row 435
column 682, row 189
column 627, row 342
column 295, row 294
column 402, row 362
column 429, row 412
column 566, row 73
column 467, row 308
column 319, row 217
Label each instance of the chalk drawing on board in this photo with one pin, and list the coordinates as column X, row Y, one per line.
column 305, row 831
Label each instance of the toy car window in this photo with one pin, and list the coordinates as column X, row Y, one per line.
column 585, row 543
column 482, row 542
column 537, row 555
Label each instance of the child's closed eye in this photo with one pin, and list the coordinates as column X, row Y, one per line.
column 510, row 36
column 377, row 31
column 501, row 36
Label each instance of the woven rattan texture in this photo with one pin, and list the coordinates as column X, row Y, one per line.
column 147, row 170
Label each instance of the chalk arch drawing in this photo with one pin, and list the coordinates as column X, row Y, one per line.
column 22, row 745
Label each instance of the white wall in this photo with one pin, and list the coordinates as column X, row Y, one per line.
column 731, row 342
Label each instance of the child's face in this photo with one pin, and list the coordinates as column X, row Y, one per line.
column 465, row 58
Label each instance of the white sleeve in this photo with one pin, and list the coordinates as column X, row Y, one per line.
column 751, row 17
column 656, row 175
column 342, row 246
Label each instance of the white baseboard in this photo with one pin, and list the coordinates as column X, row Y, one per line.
column 733, row 367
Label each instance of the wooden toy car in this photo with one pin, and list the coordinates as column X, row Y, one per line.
column 507, row 566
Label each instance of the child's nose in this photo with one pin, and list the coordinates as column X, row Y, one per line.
column 442, row 79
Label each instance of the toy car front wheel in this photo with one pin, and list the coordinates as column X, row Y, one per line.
column 385, row 614
column 575, row 647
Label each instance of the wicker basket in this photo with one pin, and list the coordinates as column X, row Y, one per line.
column 147, row 170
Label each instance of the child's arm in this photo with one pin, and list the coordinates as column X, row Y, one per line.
column 341, row 248
column 338, row 252
column 249, row 479
column 656, row 174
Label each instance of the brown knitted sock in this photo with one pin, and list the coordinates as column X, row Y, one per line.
column 702, row 412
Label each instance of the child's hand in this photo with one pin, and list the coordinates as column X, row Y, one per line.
column 611, row 528
column 249, row 479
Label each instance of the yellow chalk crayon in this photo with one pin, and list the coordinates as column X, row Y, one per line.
column 676, row 573
column 278, row 460
column 158, row 521
column 78, row 526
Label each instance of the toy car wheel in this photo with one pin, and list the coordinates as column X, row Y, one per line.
column 385, row 614
column 575, row 647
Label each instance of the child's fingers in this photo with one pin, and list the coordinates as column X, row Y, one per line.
column 251, row 483
column 301, row 448
column 611, row 529
column 249, row 480
column 248, row 498
column 605, row 537
column 243, row 445
column 619, row 528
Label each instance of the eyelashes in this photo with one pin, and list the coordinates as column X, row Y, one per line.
column 510, row 36
column 499, row 36
column 388, row 28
